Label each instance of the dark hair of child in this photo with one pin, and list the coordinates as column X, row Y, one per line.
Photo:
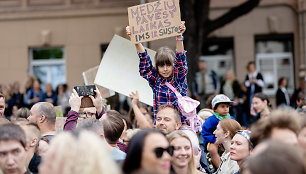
column 216, row 106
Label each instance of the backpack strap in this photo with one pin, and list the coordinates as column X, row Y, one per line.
column 173, row 89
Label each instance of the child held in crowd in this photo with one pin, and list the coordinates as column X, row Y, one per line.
column 220, row 104
column 169, row 67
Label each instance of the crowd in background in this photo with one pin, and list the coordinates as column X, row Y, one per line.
column 26, row 94
column 262, row 140
column 235, row 131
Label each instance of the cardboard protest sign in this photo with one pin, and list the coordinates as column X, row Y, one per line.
column 119, row 70
column 155, row 20
column 89, row 78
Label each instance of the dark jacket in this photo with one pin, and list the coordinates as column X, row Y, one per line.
column 281, row 98
column 235, row 86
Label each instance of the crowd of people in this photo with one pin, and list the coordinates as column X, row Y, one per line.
column 30, row 93
column 235, row 130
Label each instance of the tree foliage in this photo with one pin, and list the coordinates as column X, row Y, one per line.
column 199, row 26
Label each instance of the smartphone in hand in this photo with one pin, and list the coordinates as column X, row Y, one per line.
column 86, row 91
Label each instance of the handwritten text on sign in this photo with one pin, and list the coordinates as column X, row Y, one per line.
column 156, row 20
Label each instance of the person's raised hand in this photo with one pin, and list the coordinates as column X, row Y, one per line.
column 135, row 97
column 182, row 27
column 97, row 101
column 75, row 101
column 128, row 31
column 253, row 111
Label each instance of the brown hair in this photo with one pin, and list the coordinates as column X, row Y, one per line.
column 113, row 126
column 130, row 119
column 176, row 113
column 11, row 131
column 45, row 139
column 280, row 118
column 280, row 80
column 230, row 125
column 23, row 113
column 209, row 100
column 277, row 158
column 250, row 63
column 164, row 56
column 263, row 97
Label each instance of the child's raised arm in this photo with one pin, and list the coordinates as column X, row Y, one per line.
column 139, row 47
column 179, row 38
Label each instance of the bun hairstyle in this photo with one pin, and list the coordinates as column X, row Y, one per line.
column 164, row 56
column 263, row 97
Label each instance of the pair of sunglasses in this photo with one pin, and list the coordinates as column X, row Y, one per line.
column 159, row 151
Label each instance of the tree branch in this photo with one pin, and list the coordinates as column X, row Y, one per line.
column 231, row 15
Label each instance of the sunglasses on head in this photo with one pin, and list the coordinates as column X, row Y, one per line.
column 159, row 151
column 246, row 134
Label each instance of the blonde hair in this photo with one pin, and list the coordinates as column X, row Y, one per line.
column 85, row 153
column 131, row 132
column 180, row 134
column 205, row 113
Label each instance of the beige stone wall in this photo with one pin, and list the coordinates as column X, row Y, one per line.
column 80, row 32
column 302, row 36
column 244, row 29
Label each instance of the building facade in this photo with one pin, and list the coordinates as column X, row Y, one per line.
column 272, row 35
column 59, row 39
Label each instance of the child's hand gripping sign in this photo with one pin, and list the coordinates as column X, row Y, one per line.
column 155, row 20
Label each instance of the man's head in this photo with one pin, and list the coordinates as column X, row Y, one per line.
column 113, row 126
column 43, row 113
column 282, row 125
column 251, row 67
column 32, row 135
column 2, row 104
column 92, row 124
column 282, row 82
column 167, row 119
column 88, row 112
column 12, row 149
column 202, row 66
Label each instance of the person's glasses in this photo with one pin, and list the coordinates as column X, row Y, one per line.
column 87, row 114
column 159, row 151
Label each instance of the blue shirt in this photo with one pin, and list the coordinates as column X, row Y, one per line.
column 208, row 128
